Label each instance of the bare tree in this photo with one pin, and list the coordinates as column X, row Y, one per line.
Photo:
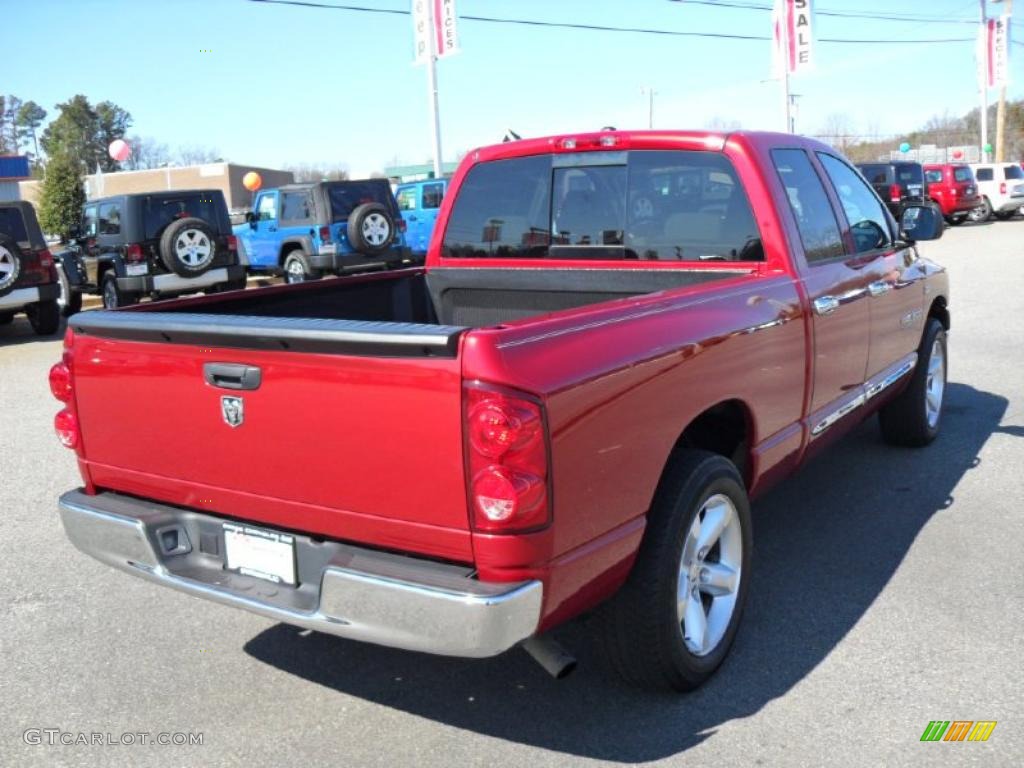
column 839, row 131
column 191, row 154
column 146, row 153
column 318, row 171
column 718, row 123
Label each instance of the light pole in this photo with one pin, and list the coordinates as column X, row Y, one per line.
column 983, row 70
column 650, row 105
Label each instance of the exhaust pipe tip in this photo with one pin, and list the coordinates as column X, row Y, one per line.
column 554, row 658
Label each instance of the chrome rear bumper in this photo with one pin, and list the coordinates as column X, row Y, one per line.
column 357, row 593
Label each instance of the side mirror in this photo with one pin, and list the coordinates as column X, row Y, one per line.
column 921, row 222
column 74, row 232
column 252, row 218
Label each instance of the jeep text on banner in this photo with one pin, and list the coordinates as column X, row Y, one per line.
column 421, row 31
column 793, row 36
column 444, row 28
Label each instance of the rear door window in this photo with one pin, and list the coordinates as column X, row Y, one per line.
column 12, row 224
column 433, row 194
column 864, row 211
column 110, row 219
column 1013, row 172
column 645, row 205
column 819, row 229
column 963, row 174
column 875, row 173
column 406, row 199
column 295, row 206
column 933, row 177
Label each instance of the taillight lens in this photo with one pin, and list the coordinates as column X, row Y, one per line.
column 402, row 225
column 232, row 242
column 60, row 382
column 66, row 426
column 507, row 461
column 133, row 254
column 894, row 193
column 1002, row 188
column 325, row 235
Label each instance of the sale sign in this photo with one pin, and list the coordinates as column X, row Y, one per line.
column 793, row 35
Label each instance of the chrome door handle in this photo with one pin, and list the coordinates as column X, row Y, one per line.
column 826, row 305
column 879, row 288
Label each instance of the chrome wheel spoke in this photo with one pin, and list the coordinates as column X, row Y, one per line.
column 717, row 516
column 695, row 624
column 717, row 579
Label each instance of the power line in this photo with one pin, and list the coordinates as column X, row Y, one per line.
column 838, row 14
column 603, row 28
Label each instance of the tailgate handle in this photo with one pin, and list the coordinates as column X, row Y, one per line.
column 232, row 375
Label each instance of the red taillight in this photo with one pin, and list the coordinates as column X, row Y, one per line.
column 232, row 242
column 1002, row 188
column 894, row 193
column 60, row 382
column 507, row 461
column 325, row 235
column 133, row 254
column 402, row 225
column 66, row 426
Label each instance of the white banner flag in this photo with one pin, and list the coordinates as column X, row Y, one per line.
column 421, row 31
column 1000, row 51
column 792, row 32
column 444, row 27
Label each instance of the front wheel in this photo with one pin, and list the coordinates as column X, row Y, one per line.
column 956, row 221
column 913, row 418
column 674, row 620
column 69, row 300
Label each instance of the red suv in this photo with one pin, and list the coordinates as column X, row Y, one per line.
column 952, row 186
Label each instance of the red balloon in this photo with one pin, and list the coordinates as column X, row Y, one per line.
column 958, row 154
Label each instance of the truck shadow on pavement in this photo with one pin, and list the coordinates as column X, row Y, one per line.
column 826, row 544
column 18, row 331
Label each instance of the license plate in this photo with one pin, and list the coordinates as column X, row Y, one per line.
column 264, row 554
column 134, row 270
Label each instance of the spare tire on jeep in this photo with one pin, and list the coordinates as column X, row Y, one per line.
column 370, row 228
column 10, row 264
column 187, row 246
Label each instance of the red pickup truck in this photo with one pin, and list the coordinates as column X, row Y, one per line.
column 617, row 340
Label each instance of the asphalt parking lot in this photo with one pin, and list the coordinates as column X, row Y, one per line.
column 888, row 591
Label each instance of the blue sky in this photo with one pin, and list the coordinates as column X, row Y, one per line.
column 291, row 85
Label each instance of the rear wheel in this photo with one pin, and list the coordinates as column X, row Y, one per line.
column 982, row 212
column 6, row 318
column 956, row 221
column 297, row 269
column 10, row 264
column 44, row 317
column 674, row 620
column 1006, row 215
column 913, row 419
column 114, row 297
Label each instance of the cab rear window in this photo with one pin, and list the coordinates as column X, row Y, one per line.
column 654, row 205
column 963, row 174
column 12, row 224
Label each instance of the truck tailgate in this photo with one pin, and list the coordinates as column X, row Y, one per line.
column 361, row 448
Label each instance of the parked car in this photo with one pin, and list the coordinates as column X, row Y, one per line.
column 28, row 280
column 952, row 186
column 898, row 184
column 156, row 244
column 306, row 230
column 1001, row 186
column 618, row 340
column 419, row 202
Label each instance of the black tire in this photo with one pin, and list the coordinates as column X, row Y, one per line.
column 642, row 633
column 6, row 318
column 955, row 221
column 10, row 264
column 297, row 269
column 70, row 300
column 1006, row 215
column 188, row 247
column 44, row 317
column 370, row 228
column 905, row 421
column 114, row 297
column 982, row 213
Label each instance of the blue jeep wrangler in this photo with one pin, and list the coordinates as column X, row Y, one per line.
column 419, row 202
column 331, row 227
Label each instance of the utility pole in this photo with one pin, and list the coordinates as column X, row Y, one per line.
column 1001, row 109
column 435, row 116
column 983, row 67
column 784, row 59
column 650, row 105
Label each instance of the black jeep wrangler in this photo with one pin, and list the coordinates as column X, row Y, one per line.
column 156, row 244
column 28, row 280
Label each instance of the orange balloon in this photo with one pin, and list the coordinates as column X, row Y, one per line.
column 252, row 181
